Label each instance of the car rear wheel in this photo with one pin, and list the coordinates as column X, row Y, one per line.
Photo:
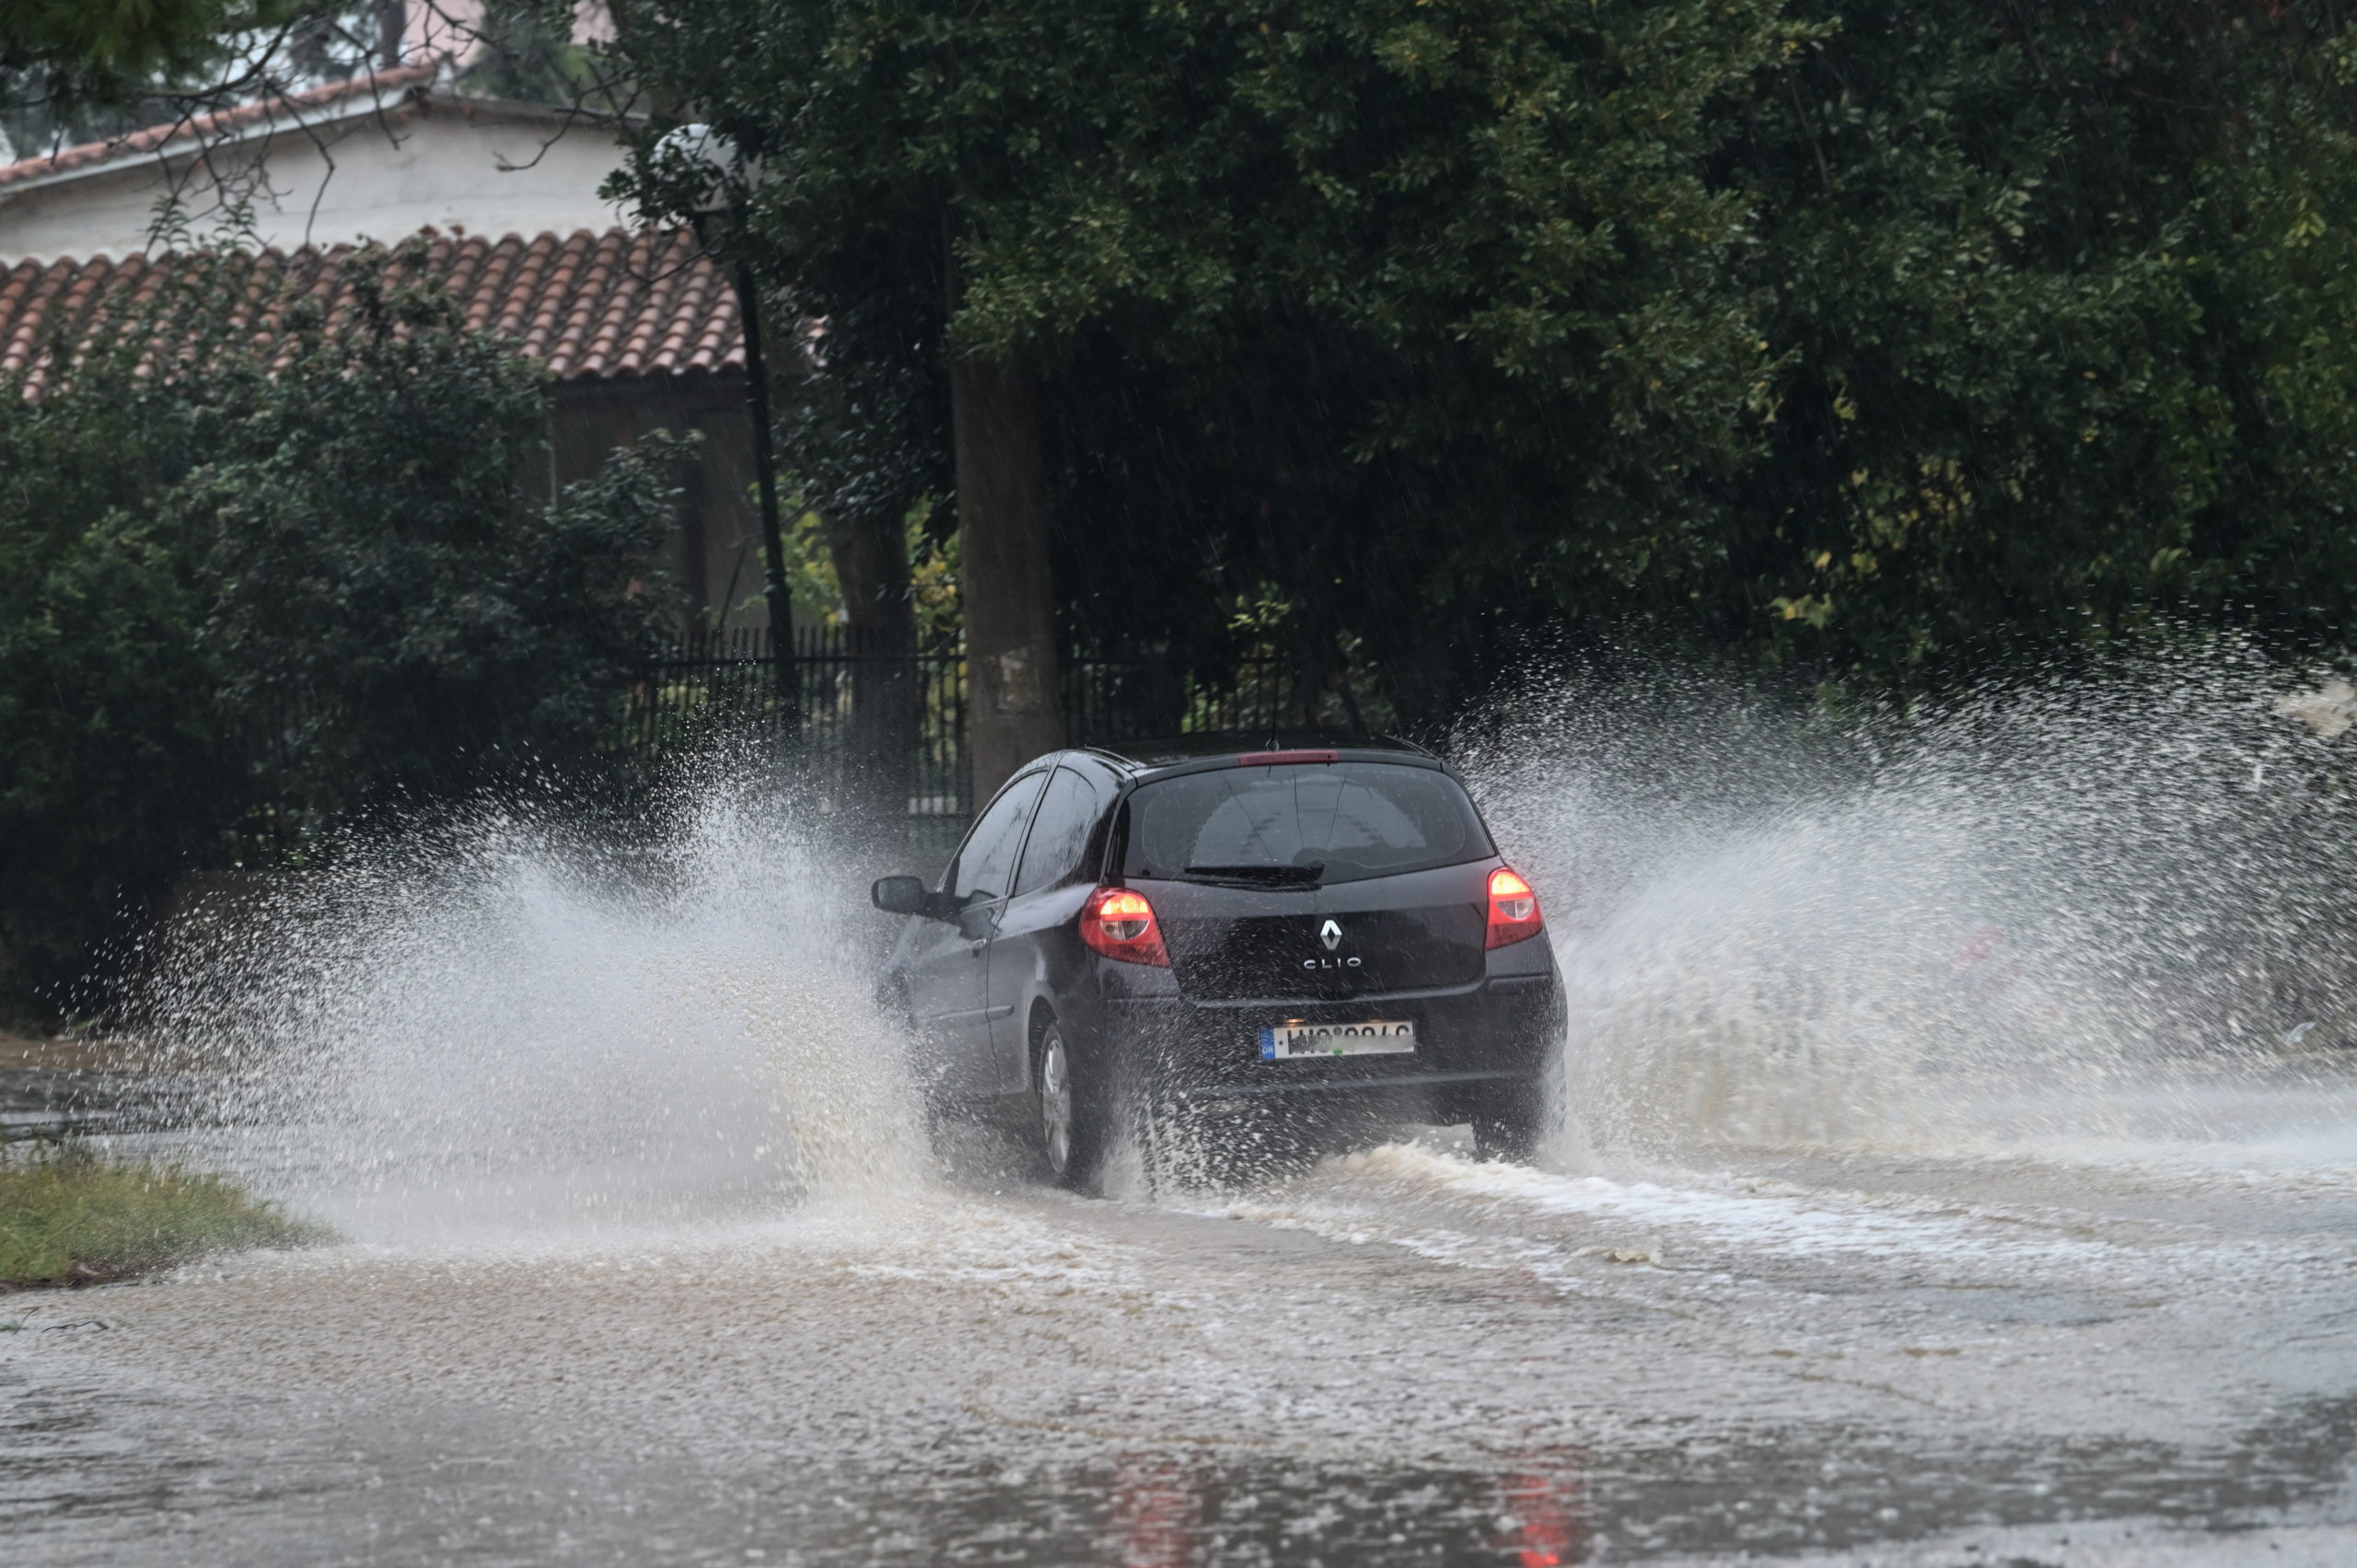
column 1072, row 1114
column 1509, row 1125
column 1058, row 1108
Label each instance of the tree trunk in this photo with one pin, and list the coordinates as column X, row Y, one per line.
column 1013, row 709
column 871, row 557
column 392, row 33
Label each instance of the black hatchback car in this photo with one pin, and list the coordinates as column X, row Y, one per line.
column 1323, row 932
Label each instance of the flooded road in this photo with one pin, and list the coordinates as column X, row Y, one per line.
column 1397, row 1357
column 1960, row 1168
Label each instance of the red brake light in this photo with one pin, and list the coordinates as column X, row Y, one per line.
column 1513, row 910
column 1280, row 758
column 1120, row 923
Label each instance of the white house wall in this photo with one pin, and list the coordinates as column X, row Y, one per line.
column 459, row 167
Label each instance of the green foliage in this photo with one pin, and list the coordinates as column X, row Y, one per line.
column 933, row 574
column 70, row 1215
column 119, row 49
column 117, row 759
column 1894, row 344
column 2059, row 287
column 75, row 67
column 1285, row 264
column 300, row 580
column 525, row 51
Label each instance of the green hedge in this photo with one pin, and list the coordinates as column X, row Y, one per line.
column 291, row 579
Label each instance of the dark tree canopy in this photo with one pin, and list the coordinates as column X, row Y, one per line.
column 1884, row 343
column 74, row 68
column 2060, row 289
column 117, row 50
column 1307, row 282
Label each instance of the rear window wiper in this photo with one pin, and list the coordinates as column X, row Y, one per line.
column 1275, row 876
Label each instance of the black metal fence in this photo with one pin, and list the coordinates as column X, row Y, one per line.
column 886, row 724
column 894, row 716
column 1107, row 701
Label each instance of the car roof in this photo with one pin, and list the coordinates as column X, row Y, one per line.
column 1189, row 754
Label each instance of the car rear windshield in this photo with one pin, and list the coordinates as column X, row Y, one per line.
column 1353, row 819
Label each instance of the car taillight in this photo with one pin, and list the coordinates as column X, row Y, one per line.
column 1120, row 923
column 1513, row 910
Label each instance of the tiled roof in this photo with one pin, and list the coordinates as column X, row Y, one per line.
column 590, row 306
column 385, row 88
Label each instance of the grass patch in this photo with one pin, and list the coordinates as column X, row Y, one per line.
column 73, row 1217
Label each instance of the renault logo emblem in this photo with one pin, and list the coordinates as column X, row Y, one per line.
column 1331, row 934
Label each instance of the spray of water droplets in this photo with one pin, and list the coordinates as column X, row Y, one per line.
column 2068, row 911
column 2055, row 912
column 500, row 1026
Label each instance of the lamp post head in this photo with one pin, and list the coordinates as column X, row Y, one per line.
column 705, row 168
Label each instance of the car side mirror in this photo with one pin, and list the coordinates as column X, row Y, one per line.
column 901, row 895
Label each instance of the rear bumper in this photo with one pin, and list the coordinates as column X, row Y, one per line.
column 1442, row 1099
column 1470, row 1043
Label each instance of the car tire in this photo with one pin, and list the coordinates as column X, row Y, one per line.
column 1509, row 1125
column 1068, row 1121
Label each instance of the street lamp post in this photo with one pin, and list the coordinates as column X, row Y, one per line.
column 775, row 592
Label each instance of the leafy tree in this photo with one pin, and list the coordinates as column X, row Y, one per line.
column 1297, row 277
column 2060, row 290
column 297, row 580
column 115, row 760
column 1882, row 343
column 83, row 67
column 527, row 51
column 117, row 51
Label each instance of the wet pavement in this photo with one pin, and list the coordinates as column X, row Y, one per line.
column 1397, row 1357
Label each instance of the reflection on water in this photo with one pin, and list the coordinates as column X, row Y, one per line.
column 1543, row 1517
column 1156, row 1508
column 1774, row 1491
column 1166, row 1511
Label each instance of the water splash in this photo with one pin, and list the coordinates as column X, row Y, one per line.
column 2052, row 913
column 2042, row 919
column 497, row 1026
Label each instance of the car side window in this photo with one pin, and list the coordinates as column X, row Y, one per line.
column 1060, row 833
column 985, row 866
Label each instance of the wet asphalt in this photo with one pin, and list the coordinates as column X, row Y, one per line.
column 1396, row 1356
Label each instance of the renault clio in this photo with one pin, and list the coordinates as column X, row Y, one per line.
column 1320, row 933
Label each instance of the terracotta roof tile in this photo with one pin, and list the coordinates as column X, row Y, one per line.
column 590, row 306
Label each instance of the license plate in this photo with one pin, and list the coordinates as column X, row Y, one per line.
column 1376, row 1038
